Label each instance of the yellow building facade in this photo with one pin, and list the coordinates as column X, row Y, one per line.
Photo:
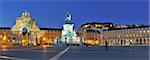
column 114, row 36
column 127, row 37
column 25, row 32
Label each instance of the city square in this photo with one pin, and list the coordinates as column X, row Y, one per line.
column 79, row 53
column 27, row 37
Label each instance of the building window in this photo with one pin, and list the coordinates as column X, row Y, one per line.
column 140, row 31
column 144, row 31
column 148, row 31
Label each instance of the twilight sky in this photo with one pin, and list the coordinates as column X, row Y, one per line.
column 51, row 13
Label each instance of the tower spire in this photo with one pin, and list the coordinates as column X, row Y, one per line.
column 68, row 17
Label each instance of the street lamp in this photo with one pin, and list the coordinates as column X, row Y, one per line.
column 44, row 39
column 4, row 38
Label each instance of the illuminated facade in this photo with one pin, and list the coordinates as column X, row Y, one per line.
column 26, row 24
column 25, row 32
column 127, row 36
column 124, row 35
column 5, row 34
column 49, row 35
column 91, row 36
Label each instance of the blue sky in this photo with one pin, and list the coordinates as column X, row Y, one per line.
column 51, row 13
